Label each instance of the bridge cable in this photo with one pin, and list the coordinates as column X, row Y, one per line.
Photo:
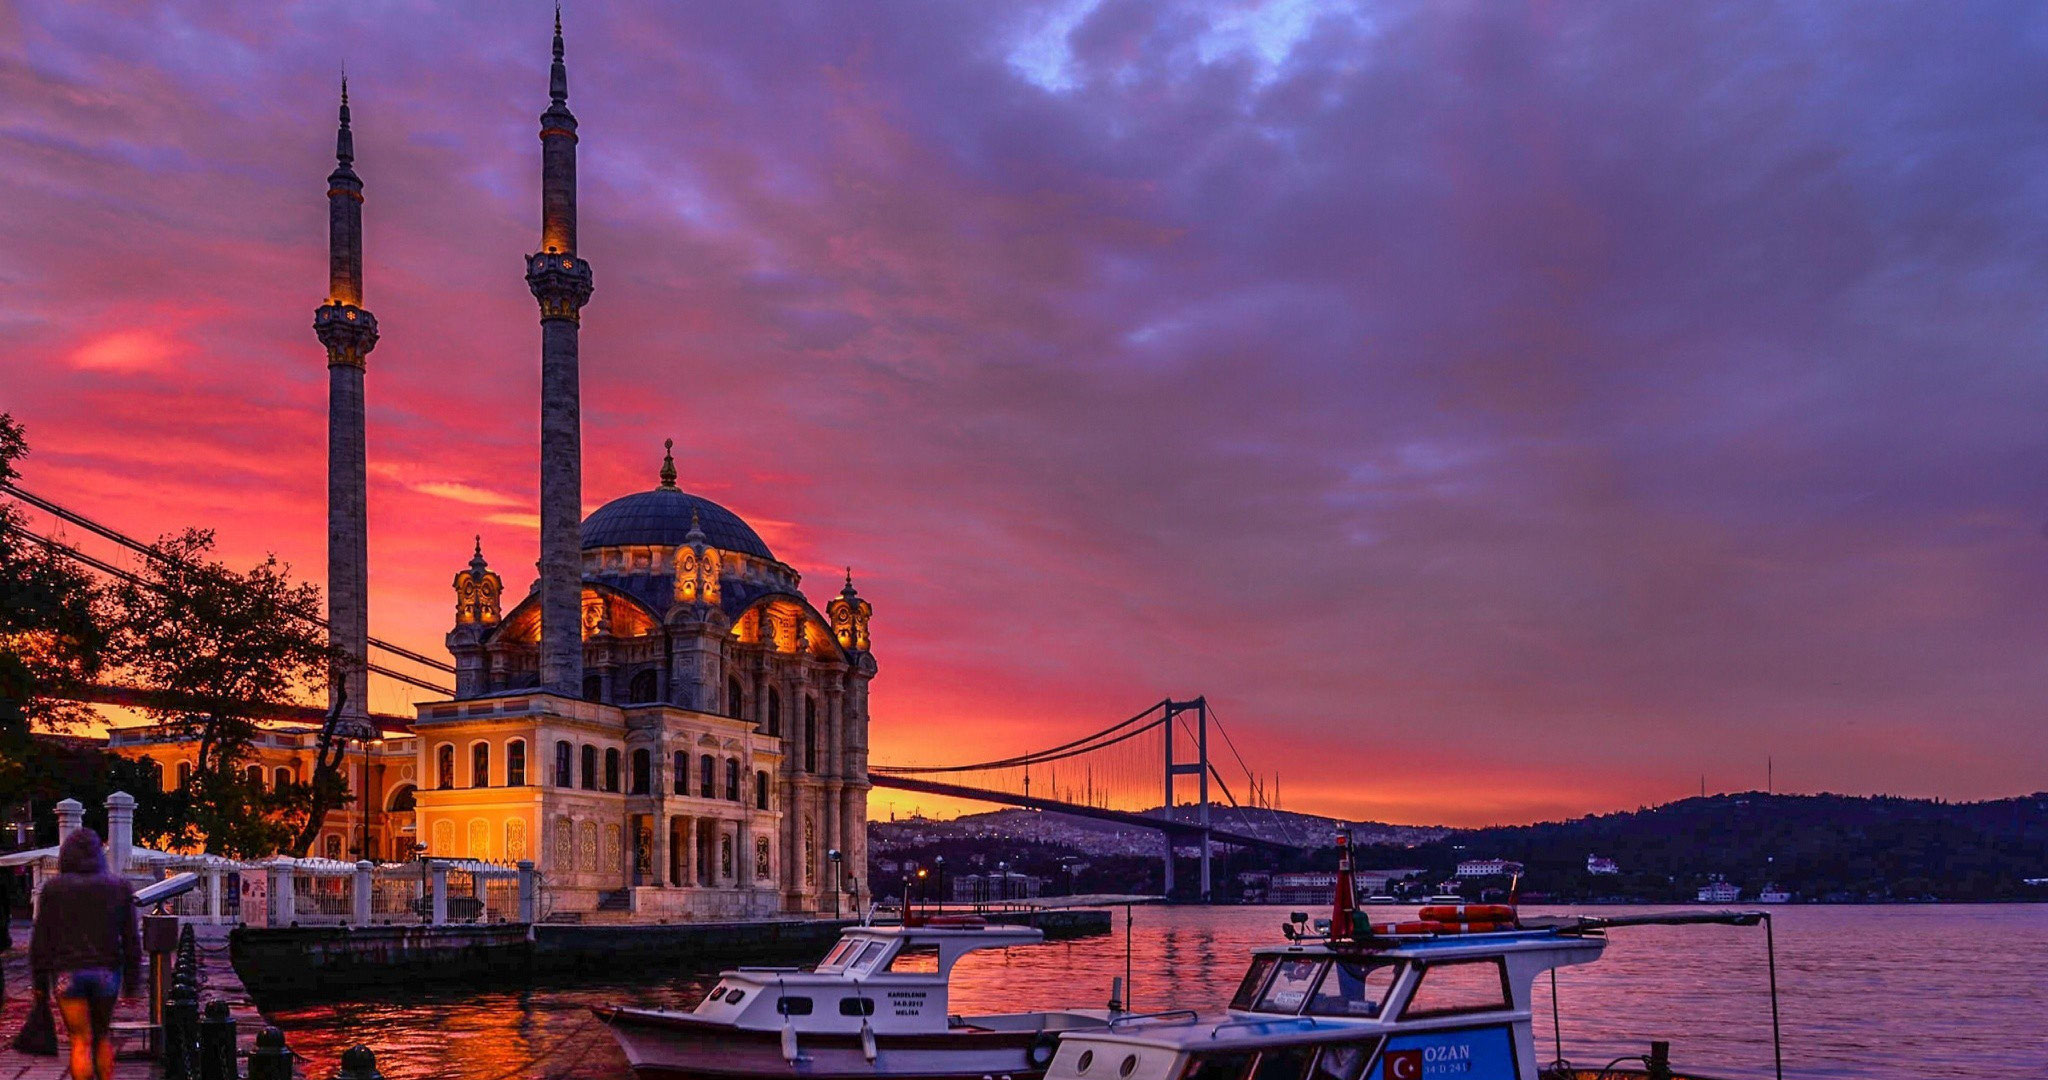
column 1285, row 826
column 149, row 551
column 132, row 578
column 1049, row 754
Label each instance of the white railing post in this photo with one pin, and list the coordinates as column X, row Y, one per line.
column 440, row 878
column 284, row 908
column 529, row 892
column 120, row 831
column 362, row 892
column 70, row 816
column 213, row 897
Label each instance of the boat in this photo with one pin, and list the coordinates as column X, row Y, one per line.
column 1381, row 898
column 1773, row 894
column 875, row 1007
column 1346, row 999
column 1445, row 898
column 1718, row 891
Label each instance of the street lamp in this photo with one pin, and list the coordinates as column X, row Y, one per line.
column 426, row 903
column 832, row 855
column 939, row 861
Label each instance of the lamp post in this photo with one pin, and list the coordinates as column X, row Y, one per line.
column 939, row 861
column 832, row 855
column 419, row 850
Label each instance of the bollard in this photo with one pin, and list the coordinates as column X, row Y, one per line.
column 358, row 1063
column 217, row 1043
column 181, row 1029
column 270, row 1060
column 1657, row 1066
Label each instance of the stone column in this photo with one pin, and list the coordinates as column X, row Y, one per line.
column 529, row 892
column 364, row 889
column 120, row 831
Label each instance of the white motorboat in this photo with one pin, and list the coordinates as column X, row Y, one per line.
column 1718, row 891
column 1773, row 894
column 1446, row 995
column 876, row 1006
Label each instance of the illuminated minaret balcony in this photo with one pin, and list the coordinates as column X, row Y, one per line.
column 349, row 332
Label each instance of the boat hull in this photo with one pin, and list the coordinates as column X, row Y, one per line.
column 673, row 1047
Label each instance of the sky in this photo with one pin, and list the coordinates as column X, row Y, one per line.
column 1500, row 411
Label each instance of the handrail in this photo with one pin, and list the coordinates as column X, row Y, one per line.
column 1190, row 1015
column 1304, row 1021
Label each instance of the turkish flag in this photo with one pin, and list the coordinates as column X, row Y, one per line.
column 1403, row 1065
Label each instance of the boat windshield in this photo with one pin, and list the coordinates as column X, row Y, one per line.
column 1353, row 988
column 1293, row 978
column 836, row 959
column 859, row 965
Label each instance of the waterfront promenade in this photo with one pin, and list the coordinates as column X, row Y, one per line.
column 218, row 981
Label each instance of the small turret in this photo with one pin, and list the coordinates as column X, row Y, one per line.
column 849, row 614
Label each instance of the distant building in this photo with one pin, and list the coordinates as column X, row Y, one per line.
column 994, row 888
column 1476, row 868
column 1320, row 886
column 1599, row 864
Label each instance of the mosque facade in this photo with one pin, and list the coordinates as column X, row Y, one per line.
column 665, row 726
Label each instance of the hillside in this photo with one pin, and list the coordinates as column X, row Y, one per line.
column 1833, row 847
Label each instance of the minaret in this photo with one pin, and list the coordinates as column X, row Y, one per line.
column 561, row 282
column 349, row 332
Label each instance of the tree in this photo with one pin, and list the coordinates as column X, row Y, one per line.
column 221, row 650
column 52, row 618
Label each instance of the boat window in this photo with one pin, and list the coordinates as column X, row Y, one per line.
column 856, row 1006
column 915, row 960
column 1292, row 980
column 1087, row 1059
column 1254, row 980
column 839, row 953
column 734, row 997
column 793, row 1006
column 1283, row 1063
column 1353, row 988
column 1344, row 1061
column 1130, row 1065
column 1458, row 987
column 867, row 957
column 1216, row 1066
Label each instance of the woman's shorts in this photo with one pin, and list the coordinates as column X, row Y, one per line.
column 92, row 984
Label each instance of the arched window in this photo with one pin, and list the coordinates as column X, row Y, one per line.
column 254, row 774
column 774, row 712
column 590, row 768
column 641, row 690
column 680, row 782
column 643, row 768
column 280, row 777
column 515, row 763
column 707, row 777
column 480, row 765
column 735, row 705
column 732, row 779
column 593, row 685
column 611, row 770
column 564, row 766
column 184, row 773
column 402, row 801
column 761, row 790
column 444, row 767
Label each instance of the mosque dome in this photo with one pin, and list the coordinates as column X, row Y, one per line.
column 662, row 518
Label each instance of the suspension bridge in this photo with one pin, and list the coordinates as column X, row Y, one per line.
column 1129, row 773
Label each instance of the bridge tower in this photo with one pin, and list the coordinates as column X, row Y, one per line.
column 1200, row 769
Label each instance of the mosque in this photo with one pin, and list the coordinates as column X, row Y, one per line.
column 665, row 726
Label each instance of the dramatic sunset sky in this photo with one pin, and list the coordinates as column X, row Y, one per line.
column 1500, row 410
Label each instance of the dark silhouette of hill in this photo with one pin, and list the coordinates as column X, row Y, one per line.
column 1821, row 847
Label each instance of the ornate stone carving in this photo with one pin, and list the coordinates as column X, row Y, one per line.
column 849, row 614
column 349, row 332
column 477, row 592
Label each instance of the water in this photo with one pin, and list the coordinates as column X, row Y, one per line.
column 1875, row 993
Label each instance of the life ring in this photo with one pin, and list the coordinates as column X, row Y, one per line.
column 1041, row 1050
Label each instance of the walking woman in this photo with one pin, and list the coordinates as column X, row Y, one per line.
column 87, row 946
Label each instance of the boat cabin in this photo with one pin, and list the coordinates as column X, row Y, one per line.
column 888, row 978
column 1440, row 1006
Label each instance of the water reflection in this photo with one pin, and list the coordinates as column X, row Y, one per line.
column 1889, row 993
